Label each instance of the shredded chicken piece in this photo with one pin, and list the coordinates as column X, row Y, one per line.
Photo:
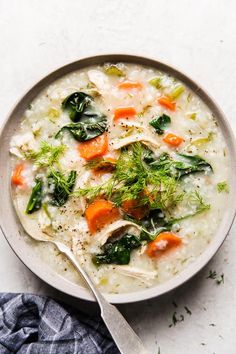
column 22, row 143
column 140, row 274
column 103, row 235
column 99, row 79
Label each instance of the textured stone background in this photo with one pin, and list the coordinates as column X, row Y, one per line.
column 198, row 37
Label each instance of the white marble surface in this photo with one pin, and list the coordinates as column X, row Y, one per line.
column 199, row 37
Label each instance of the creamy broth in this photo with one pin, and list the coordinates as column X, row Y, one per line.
column 121, row 152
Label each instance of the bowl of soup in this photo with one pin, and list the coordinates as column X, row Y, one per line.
column 128, row 162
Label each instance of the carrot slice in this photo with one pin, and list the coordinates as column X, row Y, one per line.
column 17, row 178
column 95, row 147
column 129, row 85
column 167, row 103
column 165, row 241
column 133, row 208
column 100, row 213
column 124, row 112
column 173, row 139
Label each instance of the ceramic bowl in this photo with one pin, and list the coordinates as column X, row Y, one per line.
column 22, row 245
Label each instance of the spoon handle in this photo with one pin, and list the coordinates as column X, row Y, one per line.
column 125, row 338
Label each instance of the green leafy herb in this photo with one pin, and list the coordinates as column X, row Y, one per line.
column 221, row 279
column 176, row 319
column 140, row 176
column 200, row 206
column 212, row 274
column 153, row 225
column 35, row 201
column 114, row 69
column 160, row 124
column 76, row 105
column 86, row 130
column 156, row 82
column 117, row 252
column 187, row 310
column 222, row 187
column 91, row 192
column 88, row 123
column 156, row 221
column 179, row 168
column 47, row 155
column 62, row 186
column 218, row 278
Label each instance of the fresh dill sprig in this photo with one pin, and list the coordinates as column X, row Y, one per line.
column 91, row 192
column 47, row 155
column 219, row 278
column 134, row 180
column 212, row 274
column 176, row 319
column 62, row 186
column 196, row 200
column 222, row 187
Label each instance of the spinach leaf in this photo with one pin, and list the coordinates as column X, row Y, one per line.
column 153, row 225
column 35, row 201
column 83, row 131
column 194, row 163
column 88, row 123
column 160, row 124
column 62, row 186
column 76, row 105
column 177, row 168
column 117, row 252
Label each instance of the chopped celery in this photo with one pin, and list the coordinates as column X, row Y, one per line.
column 114, row 69
column 53, row 113
column 222, row 187
column 202, row 141
column 156, row 82
column 192, row 116
column 45, row 209
column 103, row 281
column 177, row 91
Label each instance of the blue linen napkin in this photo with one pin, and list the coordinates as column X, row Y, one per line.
column 31, row 324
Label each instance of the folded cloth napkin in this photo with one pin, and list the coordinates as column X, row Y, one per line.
column 31, row 324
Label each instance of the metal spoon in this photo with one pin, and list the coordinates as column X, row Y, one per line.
column 125, row 338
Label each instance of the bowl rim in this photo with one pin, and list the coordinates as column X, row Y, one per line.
column 12, row 229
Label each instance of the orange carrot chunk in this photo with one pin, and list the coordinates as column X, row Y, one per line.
column 165, row 241
column 124, row 112
column 100, row 213
column 95, row 147
column 17, row 178
column 133, row 208
column 173, row 139
column 129, row 85
column 167, row 103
